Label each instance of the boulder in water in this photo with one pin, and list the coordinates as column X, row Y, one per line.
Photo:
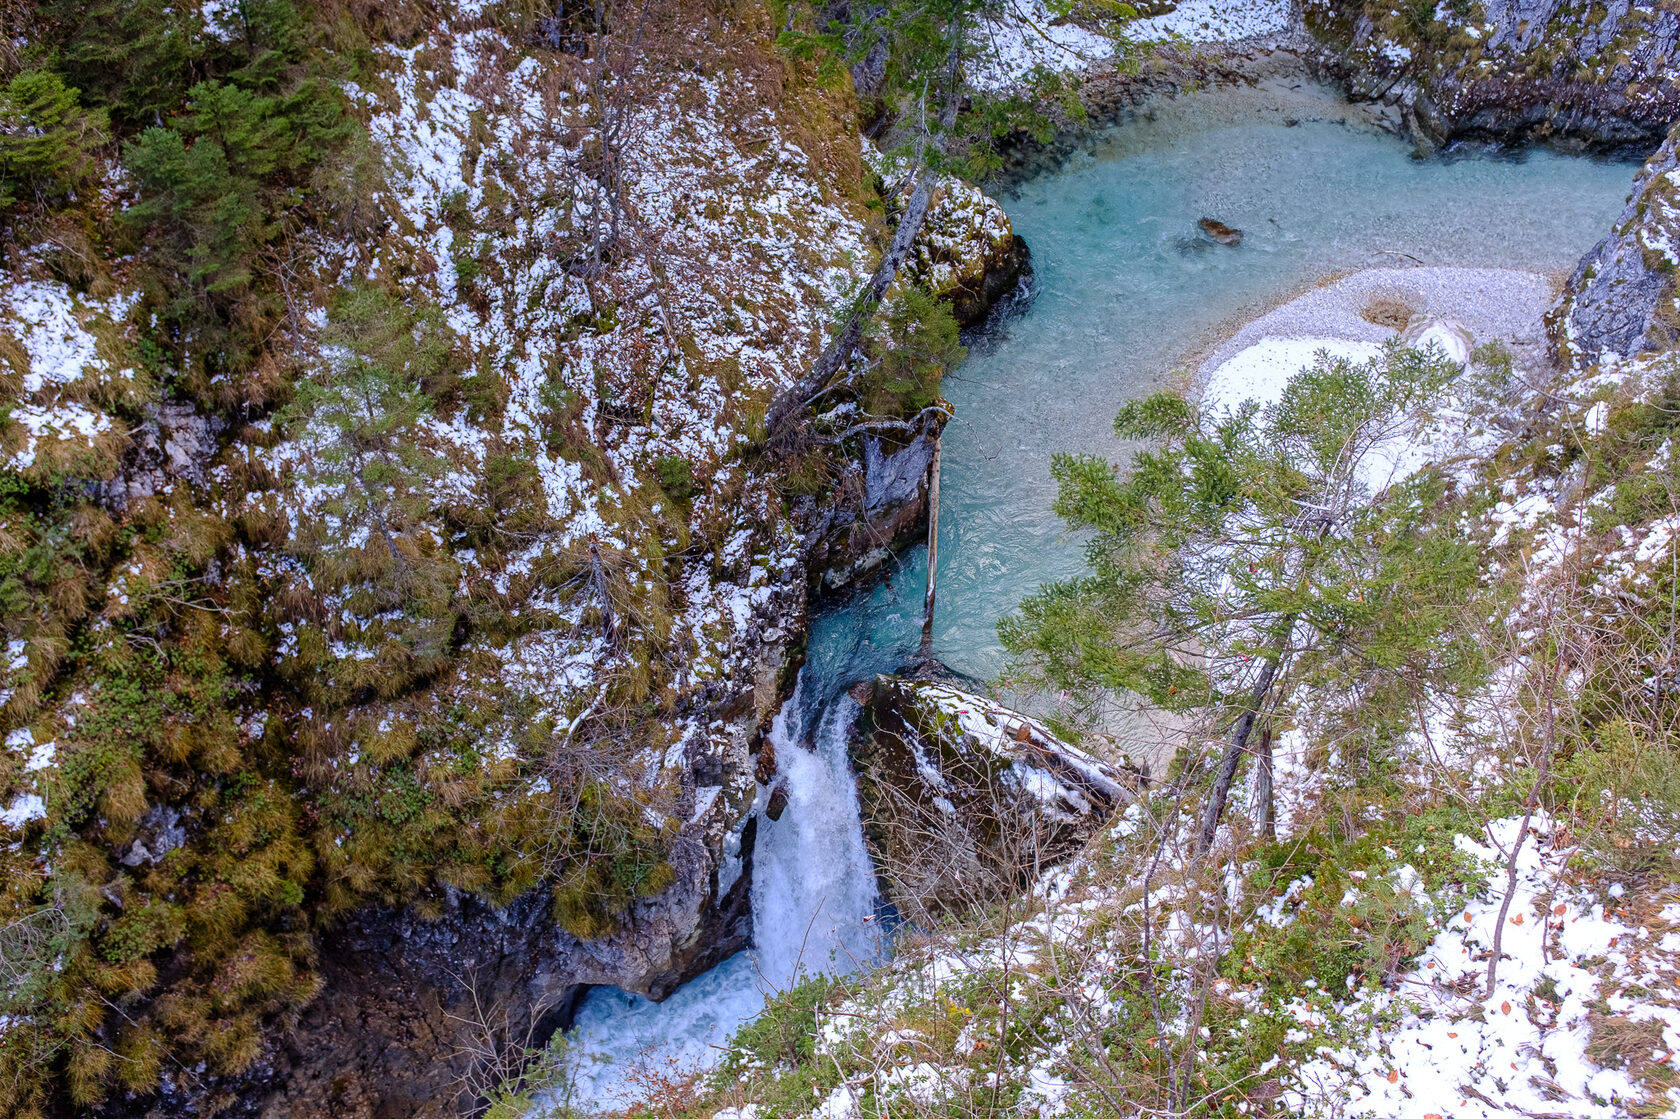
column 778, row 801
column 1220, row 232
column 965, row 801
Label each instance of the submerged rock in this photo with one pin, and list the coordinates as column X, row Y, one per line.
column 965, row 800
column 1220, row 232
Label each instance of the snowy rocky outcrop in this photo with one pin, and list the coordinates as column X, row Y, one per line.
column 1621, row 298
column 967, row 252
column 1603, row 76
column 964, row 799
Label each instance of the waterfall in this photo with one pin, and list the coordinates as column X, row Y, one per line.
column 813, row 886
column 813, row 897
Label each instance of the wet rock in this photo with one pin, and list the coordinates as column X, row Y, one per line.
column 965, row 800
column 765, row 770
column 892, row 477
column 778, row 802
column 1621, row 298
column 880, row 509
column 1220, row 232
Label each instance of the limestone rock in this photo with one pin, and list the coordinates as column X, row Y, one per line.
column 967, row 251
column 1621, row 298
column 1605, row 77
column 886, row 511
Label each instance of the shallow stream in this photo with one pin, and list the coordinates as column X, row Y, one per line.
column 1124, row 291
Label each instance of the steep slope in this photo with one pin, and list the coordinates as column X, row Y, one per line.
column 1621, row 298
column 1598, row 75
column 397, row 588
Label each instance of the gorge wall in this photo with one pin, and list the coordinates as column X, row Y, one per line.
column 394, row 678
column 1597, row 76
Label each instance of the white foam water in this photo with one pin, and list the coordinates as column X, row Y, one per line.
column 813, row 901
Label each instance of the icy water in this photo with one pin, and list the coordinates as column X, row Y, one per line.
column 812, row 887
column 1123, row 291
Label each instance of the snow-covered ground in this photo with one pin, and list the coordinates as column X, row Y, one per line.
column 734, row 243
column 1027, row 37
column 1572, row 951
column 73, row 353
column 1261, row 371
column 1215, row 21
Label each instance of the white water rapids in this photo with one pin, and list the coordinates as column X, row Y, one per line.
column 813, row 901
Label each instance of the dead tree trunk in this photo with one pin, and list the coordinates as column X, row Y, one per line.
column 933, row 550
column 845, row 344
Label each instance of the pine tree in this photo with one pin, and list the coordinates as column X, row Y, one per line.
column 47, row 139
column 1246, row 545
column 365, row 411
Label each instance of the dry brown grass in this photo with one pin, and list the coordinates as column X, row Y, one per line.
column 1387, row 311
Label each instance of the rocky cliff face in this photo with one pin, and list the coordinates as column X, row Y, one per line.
column 1621, row 298
column 412, row 1004
column 1602, row 76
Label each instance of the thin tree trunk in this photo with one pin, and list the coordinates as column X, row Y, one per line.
column 933, row 549
column 1266, row 818
column 1234, row 748
column 1542, row 775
